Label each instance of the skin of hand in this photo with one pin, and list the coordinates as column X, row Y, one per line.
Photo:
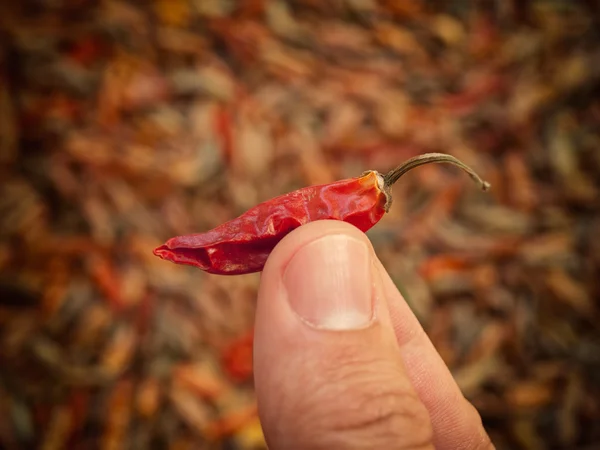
column 340, row 360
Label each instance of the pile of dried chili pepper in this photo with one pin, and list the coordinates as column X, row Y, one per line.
column 243, row 244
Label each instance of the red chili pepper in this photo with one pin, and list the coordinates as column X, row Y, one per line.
column 243, row 245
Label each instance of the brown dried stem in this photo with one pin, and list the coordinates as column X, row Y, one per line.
column 393, row 175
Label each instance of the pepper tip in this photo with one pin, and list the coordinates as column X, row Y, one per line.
column 160, row 251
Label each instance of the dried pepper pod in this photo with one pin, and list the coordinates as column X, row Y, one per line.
column 237, row 357
column 243, row 244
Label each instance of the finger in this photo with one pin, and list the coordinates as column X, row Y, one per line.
column 328, row 371
column 456, row 423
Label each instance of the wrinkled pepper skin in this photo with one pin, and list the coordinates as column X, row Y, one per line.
column 243, row 245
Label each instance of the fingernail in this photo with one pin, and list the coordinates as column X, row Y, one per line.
column 329, row 283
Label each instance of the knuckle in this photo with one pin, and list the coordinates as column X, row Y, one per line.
column 370, row 402
column 394, row 416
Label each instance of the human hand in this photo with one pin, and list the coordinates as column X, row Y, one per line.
column 340, row 360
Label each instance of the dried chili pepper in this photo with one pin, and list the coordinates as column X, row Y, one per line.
column 237, row 357
column 243, row 245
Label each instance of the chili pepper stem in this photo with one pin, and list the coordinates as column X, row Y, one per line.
column 393, row 175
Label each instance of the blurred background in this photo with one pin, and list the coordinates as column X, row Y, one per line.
column 124, row 123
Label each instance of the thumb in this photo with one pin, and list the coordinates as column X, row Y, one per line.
column 328, row 369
